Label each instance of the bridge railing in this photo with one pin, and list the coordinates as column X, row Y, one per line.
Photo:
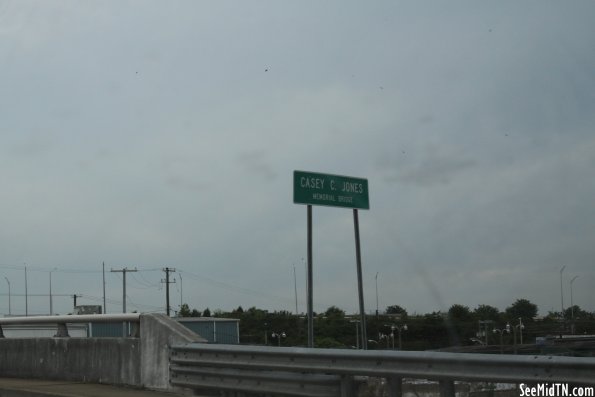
column 330, row 372
column 62, row 321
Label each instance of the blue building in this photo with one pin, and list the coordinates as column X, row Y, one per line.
column 214, row 330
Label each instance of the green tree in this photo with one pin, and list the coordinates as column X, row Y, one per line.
column 195, row 313
column 431, row 329
column 328, row 343
column 206, row 313
column 332, row 324
column 521, row 308
column 334, row 312
column 254, row 324
column 184, row 311
column 396, row 309
column 459, row 313
column 486, row 312
column 575, row 311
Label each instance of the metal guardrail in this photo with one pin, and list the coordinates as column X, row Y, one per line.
column 61, row 321
column 329, row 372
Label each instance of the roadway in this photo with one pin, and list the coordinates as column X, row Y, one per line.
column 10, row 387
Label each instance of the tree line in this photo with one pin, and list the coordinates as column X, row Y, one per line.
column 459, row 326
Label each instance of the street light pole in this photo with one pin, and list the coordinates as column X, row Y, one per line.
column 26, row 294
column 376, row 294
column 278, row 335
column 399, row 328
column 520, row 327
column 295, row 289
column 562, row 291
column 572, row 305
column 51, row 303
column 501, row 332
column 403, row 328
column 181, row 290
column 8, row 282
column 356, row 332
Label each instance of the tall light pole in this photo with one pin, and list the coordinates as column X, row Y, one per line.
column 181, row 290
column 376, row 294
column 295, row 288
column 26, row 294
column 572, row 305
column 51, row 302
column 8, row 282
column 562, row 291
column 356, row 332
column 103, row 270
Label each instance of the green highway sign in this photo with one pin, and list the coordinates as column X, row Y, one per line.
column 331, row 190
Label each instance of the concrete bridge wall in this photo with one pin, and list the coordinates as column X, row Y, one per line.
column 142, row 362
column 98, row 360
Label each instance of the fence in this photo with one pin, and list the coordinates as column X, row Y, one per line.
column 327, row 372
column 62, row 321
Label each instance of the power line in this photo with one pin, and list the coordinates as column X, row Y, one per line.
column 146, row 280
column 36, row 295
column 143, row 285
column 235, row 288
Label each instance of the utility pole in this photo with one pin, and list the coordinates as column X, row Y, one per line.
column 123, row 271
column 74, row 296
column 167, row 271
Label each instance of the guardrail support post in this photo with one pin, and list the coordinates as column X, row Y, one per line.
column 62, row 331
column 447, row 388
column 395, row 386
column 347, row 386
column 1, row 332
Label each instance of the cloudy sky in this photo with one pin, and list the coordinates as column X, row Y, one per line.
column 146, row 134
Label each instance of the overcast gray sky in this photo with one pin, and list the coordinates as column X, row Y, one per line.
column 165, row 133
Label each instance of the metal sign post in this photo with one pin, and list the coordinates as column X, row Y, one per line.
column 313, row 188
column 310, row 294
column 360, row 286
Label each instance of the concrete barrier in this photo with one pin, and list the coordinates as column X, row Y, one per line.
column 100, row 360
column 158, row 333
column 139, row 362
